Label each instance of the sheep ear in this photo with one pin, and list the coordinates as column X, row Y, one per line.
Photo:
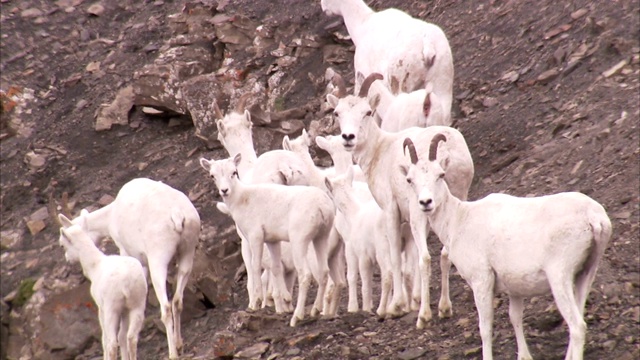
column 206, row 164
column 426, row 105
column 306, row 137
column 247, row 116
column 404, row 169
column 332, row 100
column 329, row 185
column 286, row 143
column 220, row 126
column 64, row 221
column 359, row 77
column 237, row 159
column 374, row 101
column 443, row 159
column 322, row 143
column 64, row 233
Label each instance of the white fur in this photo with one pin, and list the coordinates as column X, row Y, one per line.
column 407, row 51
column 378, row 153
column 118, row 287
column 271, row 213
column 521, row 246
column 342, row 159
column 153, row 223
column 365, row 243
column 279, row 167
column 420, row 108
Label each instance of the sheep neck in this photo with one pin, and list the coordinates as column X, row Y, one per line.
column 316, row 177
column 97, row 222
column 445, row 218
column 90, row 257
column 348, row 205
column 354, row 14
column 248, row 153
column 372, row 149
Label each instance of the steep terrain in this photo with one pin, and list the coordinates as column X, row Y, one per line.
column 546, row 94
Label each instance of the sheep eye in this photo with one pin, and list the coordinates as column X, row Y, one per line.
column 408, row 181
column 368, row 113
column 441, row 176
column 235, row 173
column 335, row 114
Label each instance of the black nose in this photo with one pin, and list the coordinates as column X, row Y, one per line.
column 224, row 191
column 348, row 136
column 425, row 203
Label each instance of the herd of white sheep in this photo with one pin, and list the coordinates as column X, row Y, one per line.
column 399, row 171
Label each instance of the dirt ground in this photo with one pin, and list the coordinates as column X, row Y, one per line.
column 546, row 94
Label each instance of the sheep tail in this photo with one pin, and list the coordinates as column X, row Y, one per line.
column 178, row 219
column 428, row 52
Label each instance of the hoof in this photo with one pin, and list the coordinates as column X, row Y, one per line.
column 445, row 313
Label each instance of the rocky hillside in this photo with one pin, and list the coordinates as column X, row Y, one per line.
column 95, row 93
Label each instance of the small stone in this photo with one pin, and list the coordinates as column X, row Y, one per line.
column 35, row 160
column 548, row 76
column 254, row 351
column 224, row 344
column 40, row 214
column 93, row 66
column 510, row 77
column 489, row 102
column 96, row 9
column 35, row 226
column 615, row 68
column 411, row 354
column 81, row 104
column 293, row 351
column 364, row 350
column 579, row 13
column 622, row 215
column 473, row 351
column 105, row 200
column 31, row 12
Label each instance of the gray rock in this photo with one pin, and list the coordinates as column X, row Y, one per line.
column 254, row 351
column 117, row 112
column 200, row 93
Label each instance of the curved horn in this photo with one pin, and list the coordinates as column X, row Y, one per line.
column 366, row 84
column 338, row 82
column 216, row 110
column 433, row 149
column 412, row 150
column 241, row 103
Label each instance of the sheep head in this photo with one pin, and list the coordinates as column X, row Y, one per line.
column 223, row 172
column 298, row 145
column 426, row 178
column 353, row 114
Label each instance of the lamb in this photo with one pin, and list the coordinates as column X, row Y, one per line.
column 276, row 167
column 271, row 213
column 409, row 52
column 365, row 243
column 377, row 152
column 153, row 223
column 118, row 287
column 343, row 160
column 521, row 246
column 420, row 108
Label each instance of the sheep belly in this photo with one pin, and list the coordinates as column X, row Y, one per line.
column 523, row 284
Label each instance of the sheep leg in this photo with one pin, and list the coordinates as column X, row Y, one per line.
column 444, row 305
column 267, row 299
column 109, row 322
column 562, row 289
column 257, row 246
column 304, row 280
column 411, row 270
column 366, row 277
column 185, row 264
column 158, row 270
column 136, row 322
column 385, row 284
column 290, row 280
column 277, row 273
column 352, row 279
column 516, row 307
column 245, row 251
column 122, row 335
column 392, row 230
column 336, row 273
column 322, row 254
column 419, row 230
column 482, row 287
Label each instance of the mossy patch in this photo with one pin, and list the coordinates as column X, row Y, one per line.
column 25, row 290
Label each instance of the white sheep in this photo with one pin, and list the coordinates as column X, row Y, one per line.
column 343, row 160
column 118, row 287
column 276, row 167
column 271, row 213
column 154, row 223
column 420, row 108
column 521, row 246
column 365, row 243
column 378, row 152
column 409, row 52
